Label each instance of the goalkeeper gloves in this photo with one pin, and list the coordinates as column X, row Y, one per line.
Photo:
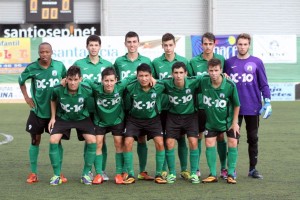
column 267, row 108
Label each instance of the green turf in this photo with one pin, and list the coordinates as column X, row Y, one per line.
column 278, row 161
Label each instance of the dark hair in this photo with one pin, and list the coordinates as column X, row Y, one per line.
column 73, row 71
column 167, row 37
column 178, row 65
column 93, row 38
column 108, row 71
column 209, row 36
column 131, row 34
column 244, row 36
column 144, row 68
column 214, row 62
column 45, row 43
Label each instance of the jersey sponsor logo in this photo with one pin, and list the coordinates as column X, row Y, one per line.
column 92, row 77
column 140, row 105
column 125, row 74
column 163, row 75
column 37, row 74
column 43, row 84
column 123, row 65
column 161, row 66
column 201, row 73
column 234, row 66
column 68, row 108
column 217, row 103
column 244, row 77
column 184, row 99
column 54, row 73
column 108, row 102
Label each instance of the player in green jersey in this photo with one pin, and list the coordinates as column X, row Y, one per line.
column 44, row 74
column 109, row 117
column 221, row 104
column 143, row 103
column 69, row 110
column 199, row 67
column 182, row 117
column 163, row 69
column 126, row 65
column 91, row 68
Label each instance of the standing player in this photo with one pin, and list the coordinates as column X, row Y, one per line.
column 91, row 68
column 221, row 105
column 126, row 65
column 44, row 74
column 163, row 69
column 199, row 67
column 182, row 117
column 109, row 117
column 69, row 110
column 143, row 103
column 248, row 72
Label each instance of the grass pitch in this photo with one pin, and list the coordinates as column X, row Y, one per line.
column 279, row 163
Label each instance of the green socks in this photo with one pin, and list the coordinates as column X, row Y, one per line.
column 142, row 151
column 33, row 157
column 222, row 151
column 211, row 160
column 194, row 157
column 61, row 154
column 170, row 154
column 160, row 158
column 119, row 163
column 232, row 159
column 182, row 153
column 98, row 163
column 89, row 157
column 200, row 150
column 54, row 155
column 128, row 161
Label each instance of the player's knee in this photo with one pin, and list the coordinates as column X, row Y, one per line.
column 35, row 140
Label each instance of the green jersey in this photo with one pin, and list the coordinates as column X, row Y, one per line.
column 141, row 104
column 109, row 106
column 42, row 83
column 72, row 107
column 125, row 67
column 182, row 100
column 199, row 67
column 92, row 71
column 219, row 103
column 163, row 68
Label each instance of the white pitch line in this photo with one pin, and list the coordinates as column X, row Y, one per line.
column 8, row 138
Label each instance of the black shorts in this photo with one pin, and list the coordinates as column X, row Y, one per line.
column 36, row 125
column 201, row 120
column 137, row 127
column 116, row 130
column 84, row 126
column 182, row 124
column 163, row 119
column 229, row 133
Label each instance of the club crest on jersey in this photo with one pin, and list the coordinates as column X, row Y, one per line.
column 116, row 94
column 153, row 95
column 54, row 73
column 188, row 91
column 249, row 68
column 222, row 95
column 80, row 100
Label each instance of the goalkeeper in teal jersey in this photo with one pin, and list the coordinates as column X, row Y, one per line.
column 69, row 110
column 163, row 69
column 91, row 68
column 182, row 117
column 199, row 67
column 125, row 66
column 109, row 117
column 143, row 103
column 221, row 104
column 44, row 74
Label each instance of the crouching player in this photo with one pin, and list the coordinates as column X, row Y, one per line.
column 221, row 105
column 69, row 110
column 143, row 103
column 109, row 117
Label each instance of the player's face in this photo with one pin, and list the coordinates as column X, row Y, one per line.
column 45, row 53
column 93, row 48
column 169, row 47
column 179, row 74
column 144, row 78
column 243, row 46
column 214, row 72
column 109, row 82
column 73, row 82
column 132, row 44
column 208, row 46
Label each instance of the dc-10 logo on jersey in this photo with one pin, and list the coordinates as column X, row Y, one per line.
column 153, row 95
column 54, row 73
column 80, row 100
column 222, row 95
column 188, row 91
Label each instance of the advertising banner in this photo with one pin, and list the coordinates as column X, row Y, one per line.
column 224, row 45
column 282, row 91
column 275, row 48
column 15, row 54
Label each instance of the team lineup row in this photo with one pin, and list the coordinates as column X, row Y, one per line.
column 180, row 100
